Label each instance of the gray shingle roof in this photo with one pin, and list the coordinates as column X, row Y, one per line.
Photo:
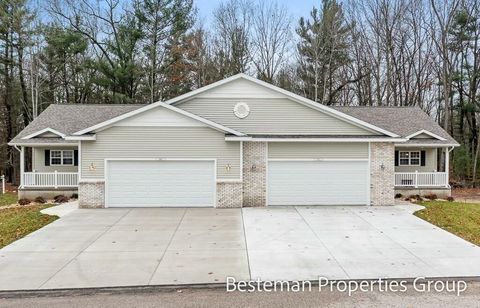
column 402, row 121
column 69, row 119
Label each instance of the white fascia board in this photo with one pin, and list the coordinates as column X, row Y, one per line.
column 45, row 130
column 306, row 139
column 426, row 145
column 84, row 138
column 35, row 145
column 424, row 131
column 295, row 97
column 110, row 122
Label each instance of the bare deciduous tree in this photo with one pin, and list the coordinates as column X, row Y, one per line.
column 271, row 38
column 232, row 39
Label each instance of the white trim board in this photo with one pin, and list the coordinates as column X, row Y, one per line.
column 112, row 121
column 42, row 145
column 425, row 145
column 312, row 139
column 424, row 131
column 79, row 138
column 229, row 181
column 45, row 130
column 318, row 159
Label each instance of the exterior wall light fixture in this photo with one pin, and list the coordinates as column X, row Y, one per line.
column 92, row 167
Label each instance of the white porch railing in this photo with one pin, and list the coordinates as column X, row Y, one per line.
column 50, row 179
column 421, row 179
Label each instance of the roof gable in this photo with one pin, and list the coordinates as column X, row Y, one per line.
column 160, row 117
column 47, row 133
column 115, row 120
column 242, row 85
column 239, row 88
column 425, row 134
column 279, row 116
column 403, row 121
column 269, row 87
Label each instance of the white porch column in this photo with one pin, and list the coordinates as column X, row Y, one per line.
column 447, row 164
column 22, row 164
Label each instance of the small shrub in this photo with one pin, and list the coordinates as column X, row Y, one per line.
column 450, row 199
column 431, row 197
column 24, row 201
column 40, row 200
column 61, row 199
column 398, row 196
column 74, row 196
column 411, row 197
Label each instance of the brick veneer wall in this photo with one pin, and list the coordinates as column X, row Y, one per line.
column 254, row 174
column 91, row 194
column 382, row 180
column 229, row 195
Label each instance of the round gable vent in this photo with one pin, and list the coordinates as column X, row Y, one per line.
column 241, row 110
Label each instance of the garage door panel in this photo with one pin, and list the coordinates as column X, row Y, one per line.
column 160, row 183
column 317, row 182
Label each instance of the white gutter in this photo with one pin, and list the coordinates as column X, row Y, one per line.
column 313, row 139
column 42, row 144
column 426, row 145
column 83, row 138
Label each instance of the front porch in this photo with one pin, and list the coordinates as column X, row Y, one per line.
column 421, row 179
column 53, row 171
column 49, row 180
column 422, row 170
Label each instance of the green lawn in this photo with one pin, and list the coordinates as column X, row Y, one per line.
column 17, row 222
column 8, row 198
column 461, row 219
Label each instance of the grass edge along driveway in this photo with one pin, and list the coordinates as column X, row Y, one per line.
column 17, row 222
column 461, row 219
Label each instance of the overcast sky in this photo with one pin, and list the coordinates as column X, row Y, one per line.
column 297, row 8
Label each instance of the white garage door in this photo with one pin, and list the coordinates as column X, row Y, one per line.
column 160, row 183
column 317, row 182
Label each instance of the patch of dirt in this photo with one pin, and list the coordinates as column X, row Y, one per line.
column 10, row 187
column 466, row 194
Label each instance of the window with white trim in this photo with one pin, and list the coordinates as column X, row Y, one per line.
column 409, row 158
column 61, row 157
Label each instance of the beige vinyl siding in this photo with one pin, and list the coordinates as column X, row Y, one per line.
column 313, row 150
column 430, row 161
column 38, row 162
column 240, row 89
column 160, row 142
column 423, row 136
column 271, row 116
column 47, row 135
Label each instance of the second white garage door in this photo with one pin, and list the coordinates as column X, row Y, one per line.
column 317, row 183
column 160, row 184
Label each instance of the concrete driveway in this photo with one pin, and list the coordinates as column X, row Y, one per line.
column 126, row 247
